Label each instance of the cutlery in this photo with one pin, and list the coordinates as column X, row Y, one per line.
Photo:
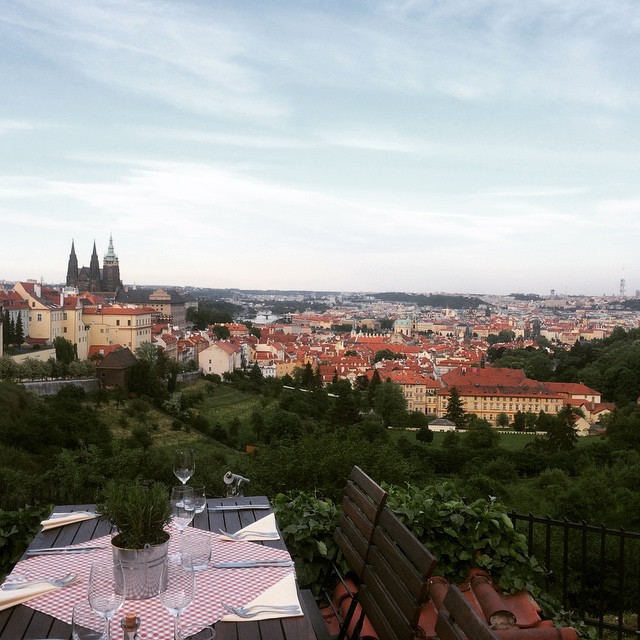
column 65, row 514
column 247, row 564
column 237, row 507
column 240, row 535
column 57, row 550
column 253, row 610
column 64, row 581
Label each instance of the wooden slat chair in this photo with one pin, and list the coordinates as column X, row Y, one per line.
column 362, row 505
column 458, row 620
column 395, row 580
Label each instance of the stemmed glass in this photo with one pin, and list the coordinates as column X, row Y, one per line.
column 183, row 505
column 184, row 465
column 106, row 589
column 177, row 587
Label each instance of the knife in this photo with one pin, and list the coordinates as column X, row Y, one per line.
column 55, row 550
column 64, row 514
column 235, row 507
column 247, row 564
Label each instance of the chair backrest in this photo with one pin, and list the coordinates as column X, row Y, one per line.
column 362, row 504
column 458, row 620
column 395, row 579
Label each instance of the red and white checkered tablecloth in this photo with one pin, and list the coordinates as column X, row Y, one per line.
column 236, row 586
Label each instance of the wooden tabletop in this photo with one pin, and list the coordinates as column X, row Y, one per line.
column 22, row 622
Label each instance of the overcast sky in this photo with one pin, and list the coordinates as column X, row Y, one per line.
column 350, row 145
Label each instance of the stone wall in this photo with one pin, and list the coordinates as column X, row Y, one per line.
column 51, row 387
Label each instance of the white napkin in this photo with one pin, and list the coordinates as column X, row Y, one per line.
column 264, row 525
column 281, row 593
column 18, row 596
column 70, row 519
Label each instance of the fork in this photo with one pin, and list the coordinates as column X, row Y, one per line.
column 253, row 610
column 63, row 581
column 240, row 535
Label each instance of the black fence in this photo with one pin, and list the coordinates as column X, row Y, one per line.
column 592, row 570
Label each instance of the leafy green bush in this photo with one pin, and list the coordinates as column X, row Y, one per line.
column 307, row 524
column 17, row 529
column 465, row 535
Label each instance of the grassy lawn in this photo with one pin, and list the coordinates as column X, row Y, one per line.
column 509, row 441
column 226, row 403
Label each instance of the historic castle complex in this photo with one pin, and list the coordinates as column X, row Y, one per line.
column 93, row 278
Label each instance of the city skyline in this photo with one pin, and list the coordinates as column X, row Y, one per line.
column 468, row 146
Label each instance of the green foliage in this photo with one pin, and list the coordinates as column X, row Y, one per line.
column 307, row 524
column 211, row 312
column 390, row 404
column 465, row 535
column 139, row 511
column 17, row 529
column 455, row 409
column 64, row 350
column 221, row 332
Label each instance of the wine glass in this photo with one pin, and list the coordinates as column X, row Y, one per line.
column 106, row 589
column 183, row 506
column 184, row 465
column 177, row 586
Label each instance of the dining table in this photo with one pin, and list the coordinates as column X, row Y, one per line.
column 49, row 617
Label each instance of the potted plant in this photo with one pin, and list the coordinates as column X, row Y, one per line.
column 139, row 512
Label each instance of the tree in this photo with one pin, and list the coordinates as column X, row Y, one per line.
column 455, row 409
column 481, row 436
column 7, row 337
column 221, row 332
column 502, row 420
column 19, row 337
column 390, row 403
column 424, row 434
column 375, row 382
column 64, row 350
column 561, row 433
column 255, row 374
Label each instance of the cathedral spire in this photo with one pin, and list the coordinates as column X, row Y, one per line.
column 72, row 267
column 110, row 256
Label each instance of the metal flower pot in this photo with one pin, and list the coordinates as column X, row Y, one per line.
column 142, row 569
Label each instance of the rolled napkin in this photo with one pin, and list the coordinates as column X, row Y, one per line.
column 12, row 598
column 70, row 518
column 262, row 526
column 281, row 593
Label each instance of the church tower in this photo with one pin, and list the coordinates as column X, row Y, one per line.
column 94, row 271
column 110, row 269
column 72, row 268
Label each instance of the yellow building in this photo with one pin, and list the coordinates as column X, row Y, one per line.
column 129, row 327
column 488, row 392
column 46, row 316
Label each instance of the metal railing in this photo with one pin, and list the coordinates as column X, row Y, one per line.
column 592, row 570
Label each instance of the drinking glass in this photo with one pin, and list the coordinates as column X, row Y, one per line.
column 180, row 581
column 184, row 465
column 183, row 505
column 106, row 589
column 86, row 624
column 195, row 631
column 200, row 495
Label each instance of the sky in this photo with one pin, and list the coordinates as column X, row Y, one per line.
column 461, row 146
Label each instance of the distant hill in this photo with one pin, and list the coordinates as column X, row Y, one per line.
column 432, row 300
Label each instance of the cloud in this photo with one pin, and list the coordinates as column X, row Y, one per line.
column 13, row 126
column 158, row 50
